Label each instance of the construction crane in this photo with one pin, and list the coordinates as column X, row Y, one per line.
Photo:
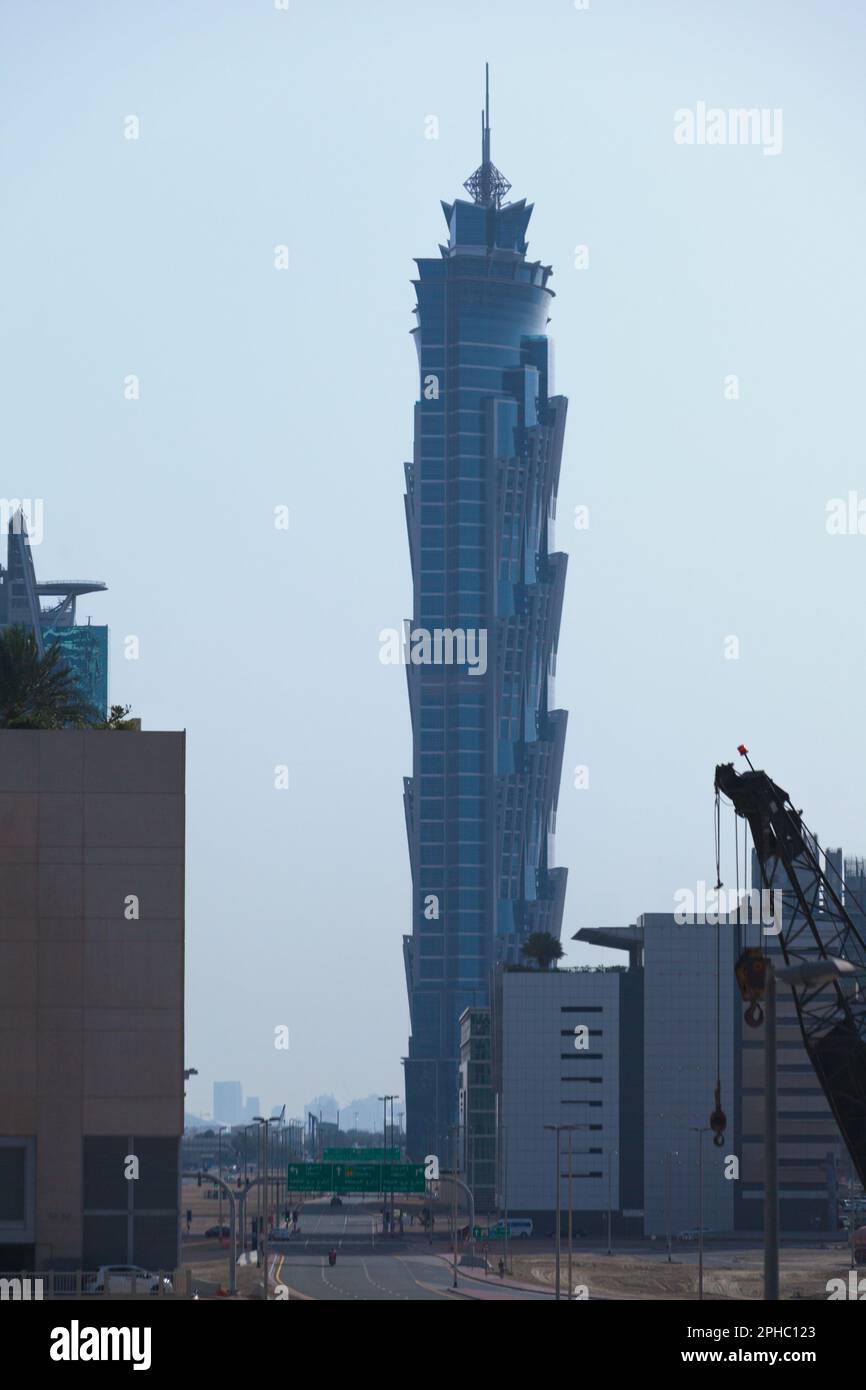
column 815, row 926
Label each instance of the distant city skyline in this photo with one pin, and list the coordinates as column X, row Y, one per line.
column 232, row 1106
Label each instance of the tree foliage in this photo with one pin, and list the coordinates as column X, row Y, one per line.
column 38, row 691
column 543, row 948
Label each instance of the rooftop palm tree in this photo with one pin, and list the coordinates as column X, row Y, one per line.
column 38, row 691
column 543, row 948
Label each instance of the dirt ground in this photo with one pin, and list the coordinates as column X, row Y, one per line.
column 803, row 1273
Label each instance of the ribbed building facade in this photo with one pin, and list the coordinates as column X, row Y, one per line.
column 480, row 652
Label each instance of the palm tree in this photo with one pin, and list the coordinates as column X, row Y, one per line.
column 543, row 948
column 38, row 691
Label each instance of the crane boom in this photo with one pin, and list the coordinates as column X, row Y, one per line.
column 815, row 925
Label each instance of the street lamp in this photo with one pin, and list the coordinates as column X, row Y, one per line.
column 220, row 1129
column 264, row 1130
column 671, row 1153
column 384, row 1100
column 570, row 1217
column 804, row 975
column 455, row 1141
column 557, row 1130
column 610, row 1198
column 700, row 1131
column 571, row 1206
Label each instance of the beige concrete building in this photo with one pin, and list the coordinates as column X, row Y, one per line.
column 91, row 997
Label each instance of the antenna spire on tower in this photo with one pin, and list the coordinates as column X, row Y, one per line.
column 487, row 185
column 485, row 124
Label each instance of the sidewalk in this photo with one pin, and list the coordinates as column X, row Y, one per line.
column 493, row 1282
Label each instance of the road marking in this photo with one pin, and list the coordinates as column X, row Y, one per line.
column 390, row 1292
column 278, row 1278
column 336, row 1287
column 442, row 1292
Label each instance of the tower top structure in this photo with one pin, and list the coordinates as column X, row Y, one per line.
column 487, row 185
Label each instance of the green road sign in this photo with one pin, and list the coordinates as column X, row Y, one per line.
column 309, row 1177
column 404, row 1177
column 356, row 1177
column 361, row 1155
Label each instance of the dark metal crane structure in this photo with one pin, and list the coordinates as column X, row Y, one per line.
column 815, row 926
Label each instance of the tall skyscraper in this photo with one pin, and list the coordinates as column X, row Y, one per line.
column 228, row 1105
column 487, row 751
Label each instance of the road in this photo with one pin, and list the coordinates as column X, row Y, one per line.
column 370, row 1266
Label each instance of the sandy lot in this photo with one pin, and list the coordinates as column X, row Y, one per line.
column 727, row 1274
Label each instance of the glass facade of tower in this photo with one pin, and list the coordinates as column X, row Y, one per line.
column 487, row 750
column 83, row 646
column 84, row 649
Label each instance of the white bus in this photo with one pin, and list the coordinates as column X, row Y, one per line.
column 519, row 1228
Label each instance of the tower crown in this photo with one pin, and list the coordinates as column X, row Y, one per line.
column 487, row 185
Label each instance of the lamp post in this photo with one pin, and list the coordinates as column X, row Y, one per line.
column 389, row 1161
column 384, row 1100
column 264, row 1130
column 245, row 1129
column 700, row 1131
column 557, row 1130
column 455, row 1135
column 671, row 1153
column 570, row 1212
column 610, row 1158
column 503, row 1132
column 220, row 1129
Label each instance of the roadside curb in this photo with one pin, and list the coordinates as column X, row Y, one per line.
column 496, row 1282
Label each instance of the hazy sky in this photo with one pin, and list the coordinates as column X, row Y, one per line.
column 262, row 387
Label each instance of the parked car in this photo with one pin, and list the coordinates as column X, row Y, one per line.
column 219, row 1232
column 121, row 1279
